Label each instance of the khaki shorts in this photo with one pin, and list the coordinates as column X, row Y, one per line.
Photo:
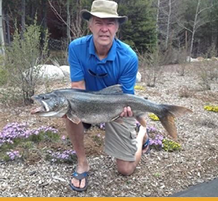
column 120, row 139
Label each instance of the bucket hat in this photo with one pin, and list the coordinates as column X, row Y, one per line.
column 103, row 9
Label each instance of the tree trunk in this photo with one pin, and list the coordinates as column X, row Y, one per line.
column 68, row 21
column 194, row 27
column 23, row 15
column 157, row 16
column 2, row 41
column 7, row 28
column 168, row 23
column 44, row 14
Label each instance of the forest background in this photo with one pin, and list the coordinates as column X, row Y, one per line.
column 178, row 24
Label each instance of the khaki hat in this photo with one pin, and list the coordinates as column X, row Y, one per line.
column 103, row 9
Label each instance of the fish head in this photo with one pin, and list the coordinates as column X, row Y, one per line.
column 51, row 105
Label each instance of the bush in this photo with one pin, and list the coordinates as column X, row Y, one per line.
column 150, row 63
column 23, row 58
column 3, row 76
column 208, row 73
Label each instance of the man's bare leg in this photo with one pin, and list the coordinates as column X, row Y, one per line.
column 76, row 135
column 128, row 167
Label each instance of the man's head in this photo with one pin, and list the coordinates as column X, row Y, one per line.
column 103, row 30
column 103, row 22
column 103, row 9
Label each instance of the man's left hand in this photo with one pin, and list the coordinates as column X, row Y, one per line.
column 127, row 112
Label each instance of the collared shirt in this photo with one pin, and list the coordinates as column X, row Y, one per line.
column 119, row 67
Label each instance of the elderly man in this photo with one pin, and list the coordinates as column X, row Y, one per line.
column 97, row 61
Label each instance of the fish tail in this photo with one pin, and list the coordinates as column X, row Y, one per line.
column 167, row 118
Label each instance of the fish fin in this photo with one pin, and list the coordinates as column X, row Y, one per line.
column 73, row 118
column 141, row 119
column 114, row 89
column 176, row 111
column 169, row 124
column 168, row 117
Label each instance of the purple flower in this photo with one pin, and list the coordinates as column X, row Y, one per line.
column 102, row 126
column 20, row 130
column 65, row 155
column 151, row 129
column 63, row 137
column 157, row 141
column 13, row 154
column 99, row 135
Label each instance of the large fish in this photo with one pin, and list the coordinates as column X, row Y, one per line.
column 104, row 106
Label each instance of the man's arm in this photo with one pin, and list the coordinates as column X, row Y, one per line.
column 78, row 85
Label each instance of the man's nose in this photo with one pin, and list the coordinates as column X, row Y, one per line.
column 104, row 27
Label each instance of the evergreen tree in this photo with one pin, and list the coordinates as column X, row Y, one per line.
column 140, row 29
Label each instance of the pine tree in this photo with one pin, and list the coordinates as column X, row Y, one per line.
column 140, row 29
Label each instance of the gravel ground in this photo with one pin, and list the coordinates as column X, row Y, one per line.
column 159, row 173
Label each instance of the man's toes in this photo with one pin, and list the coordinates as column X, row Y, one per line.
column 82, row 183
column 75, row 182
column 79, row 184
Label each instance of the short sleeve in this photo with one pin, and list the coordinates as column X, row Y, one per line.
column 128, row 77
column 76, row 70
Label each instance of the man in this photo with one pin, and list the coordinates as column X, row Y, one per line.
column 97, row 61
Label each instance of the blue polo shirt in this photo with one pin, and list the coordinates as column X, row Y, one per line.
column 119, row 67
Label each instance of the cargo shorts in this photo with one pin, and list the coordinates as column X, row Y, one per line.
column 120, row 139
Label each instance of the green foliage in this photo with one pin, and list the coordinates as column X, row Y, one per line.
column 3, row 76
column 140, row 29
column 169, row 145
column 22, row 61
column 206, row 23
column 45, row 136
column 3, row 72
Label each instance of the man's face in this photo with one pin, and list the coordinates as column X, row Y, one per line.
column 103, row 30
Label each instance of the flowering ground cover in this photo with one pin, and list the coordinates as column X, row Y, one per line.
column 17, row 141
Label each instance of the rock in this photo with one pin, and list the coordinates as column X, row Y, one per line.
column 51, row 72
column 65, row 69
column 138, row 77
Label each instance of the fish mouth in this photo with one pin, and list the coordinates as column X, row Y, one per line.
column 41, row 107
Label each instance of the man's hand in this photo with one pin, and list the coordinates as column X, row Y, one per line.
column 127, row 112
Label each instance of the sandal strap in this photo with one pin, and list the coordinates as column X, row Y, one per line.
column 146, row 144
column 79, row 176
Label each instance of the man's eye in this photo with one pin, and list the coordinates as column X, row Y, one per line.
column 111, row 23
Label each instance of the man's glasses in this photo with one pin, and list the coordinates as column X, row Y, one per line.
column 97, row 75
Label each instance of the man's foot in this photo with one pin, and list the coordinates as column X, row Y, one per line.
column 79, row 182
column 145, row 146
column 142, row 131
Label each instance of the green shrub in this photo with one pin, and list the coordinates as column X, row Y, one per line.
column 23, row 58
column 169, row 145
column 3, row 76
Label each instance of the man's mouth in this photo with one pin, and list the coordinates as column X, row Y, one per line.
column 103, row 36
